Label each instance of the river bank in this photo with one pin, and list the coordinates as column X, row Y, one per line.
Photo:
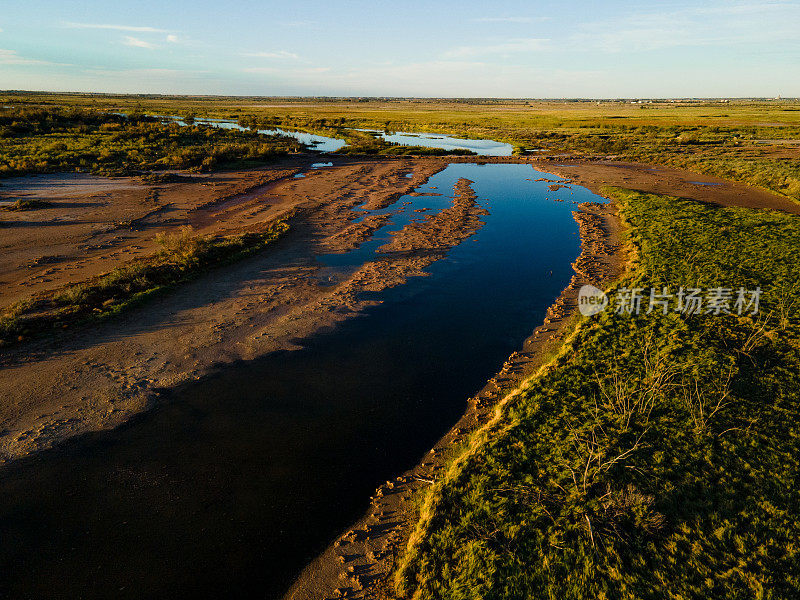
column 314, row 279
column 357, row 563
column 85, row 381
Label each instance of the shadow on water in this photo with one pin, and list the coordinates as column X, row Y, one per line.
column 236, row 481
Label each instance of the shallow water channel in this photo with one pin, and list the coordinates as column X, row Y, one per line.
column 236, row 481
column 445, row 142
column 322, row 143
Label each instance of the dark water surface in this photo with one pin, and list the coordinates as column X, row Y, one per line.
column 238, row 480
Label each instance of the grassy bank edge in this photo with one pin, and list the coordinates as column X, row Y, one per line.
column 426, row 502
column 767, row 383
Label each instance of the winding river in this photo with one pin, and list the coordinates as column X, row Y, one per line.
column 325, row 144
column 234, row 483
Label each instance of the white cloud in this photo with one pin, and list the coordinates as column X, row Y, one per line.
column 102, row 79
column 137, row 43
column 509, row 19
column 726, row 24
column 301, row 24
column 292, row 72
column 167, row 73
column 172, row 38
column 279, row 54
column 262, row 70
column 11, row 57
column 451, row 78
column 513, row 46
column 134, row 28
column 747, row 8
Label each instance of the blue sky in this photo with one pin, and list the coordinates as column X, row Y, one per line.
column 614, row 48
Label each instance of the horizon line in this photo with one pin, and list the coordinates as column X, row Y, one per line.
column 385, row 97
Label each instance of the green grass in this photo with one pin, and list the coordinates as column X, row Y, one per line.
column 711, row 137
column 184, row 256
column 658, row 456
column 44, row 140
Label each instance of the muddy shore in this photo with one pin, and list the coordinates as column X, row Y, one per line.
column 97, row 378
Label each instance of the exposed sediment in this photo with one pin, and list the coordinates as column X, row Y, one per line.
column 99, row 377
column 355, row 234
column 444, row 229
column 416, row 246
column 597, row 262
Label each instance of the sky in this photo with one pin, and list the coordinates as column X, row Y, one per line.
column 444, row 48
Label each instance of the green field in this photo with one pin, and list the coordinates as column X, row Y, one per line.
column 738, row 139
column 44, row 139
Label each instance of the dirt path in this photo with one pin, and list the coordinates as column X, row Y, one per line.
column 672, row 182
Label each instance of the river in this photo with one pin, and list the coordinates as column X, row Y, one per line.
column 235, row 482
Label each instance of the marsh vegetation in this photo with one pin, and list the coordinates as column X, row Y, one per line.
column 52, row 139
column 741, row 140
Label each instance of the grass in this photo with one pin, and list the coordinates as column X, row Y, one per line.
column 658, row 456
column 184, row 256
column 719, row 138
column 48, row 139
column 22, row 204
